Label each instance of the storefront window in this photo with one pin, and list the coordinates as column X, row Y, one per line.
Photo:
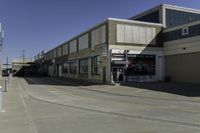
column 96, row 65
column 83, row 66
column 65, row 68
column 73, row 67
column 141, row 65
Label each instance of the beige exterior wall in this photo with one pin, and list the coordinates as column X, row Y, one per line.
column 98, row 45
column 103, row 39
column 182, row 46
column 87, row 53
column 137, row 46
column 113, row 32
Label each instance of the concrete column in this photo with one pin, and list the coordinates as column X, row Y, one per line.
column 164, row 17
column 160, row 67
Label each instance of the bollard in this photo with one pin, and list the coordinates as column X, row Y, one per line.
column 5, row 86
column 1, row 98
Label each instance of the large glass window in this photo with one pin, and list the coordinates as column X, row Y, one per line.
column 96, row 65
column 73, row 67
column 174, row 17
column 141, row 65
column 83, row 66
column 65, row 69
column 151, row 17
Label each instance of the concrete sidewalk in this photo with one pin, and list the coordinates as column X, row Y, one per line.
column 14, row 118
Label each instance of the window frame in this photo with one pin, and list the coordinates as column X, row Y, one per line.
column 95, row 65
column 183, row 31
column 73, row 64
column 83, row 65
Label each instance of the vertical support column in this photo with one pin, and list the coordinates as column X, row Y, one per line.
column 110, row 73
column 160, row 67
column 163, row 68
column 163, row 16
column 126, row 59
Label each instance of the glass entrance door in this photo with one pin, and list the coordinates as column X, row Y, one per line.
column 118, row 74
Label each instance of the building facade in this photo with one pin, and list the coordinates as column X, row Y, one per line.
column 143, row 48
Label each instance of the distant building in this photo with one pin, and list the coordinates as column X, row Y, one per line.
column 159, row 44
column 18, row 64
column 6, row 70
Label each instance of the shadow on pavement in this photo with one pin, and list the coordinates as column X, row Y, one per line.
column 57, row 81
column 183, row 89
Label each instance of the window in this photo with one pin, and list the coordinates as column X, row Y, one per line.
column 141, row 65
column 65, row 68
column 73, row 46
column 83, row 42
column 185, row 31
column 174, row 17
column 59, row 51
column 96, row 65
column 83, row 66
column 54, row 53
column 65, row 49
column 98, row 36
column 151, row 17
column 134, row 34
column 73, row 67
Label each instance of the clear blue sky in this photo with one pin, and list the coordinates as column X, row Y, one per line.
column 34, row 25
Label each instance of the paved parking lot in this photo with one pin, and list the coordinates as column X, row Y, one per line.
column 60, row 105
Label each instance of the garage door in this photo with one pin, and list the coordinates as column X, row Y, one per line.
column 183, row 68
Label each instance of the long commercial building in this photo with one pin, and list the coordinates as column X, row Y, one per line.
column 158, row 44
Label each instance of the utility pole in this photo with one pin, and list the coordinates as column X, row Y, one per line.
column 7, row 71
column 7, row 62
column 23, row 52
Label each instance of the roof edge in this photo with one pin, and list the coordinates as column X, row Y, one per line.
column 136, row 22
column 179, row 8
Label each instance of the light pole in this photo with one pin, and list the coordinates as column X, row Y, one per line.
column 23, row 60
column 1, row 44
column 126, row 61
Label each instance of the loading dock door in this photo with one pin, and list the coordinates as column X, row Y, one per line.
column 183, row 68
